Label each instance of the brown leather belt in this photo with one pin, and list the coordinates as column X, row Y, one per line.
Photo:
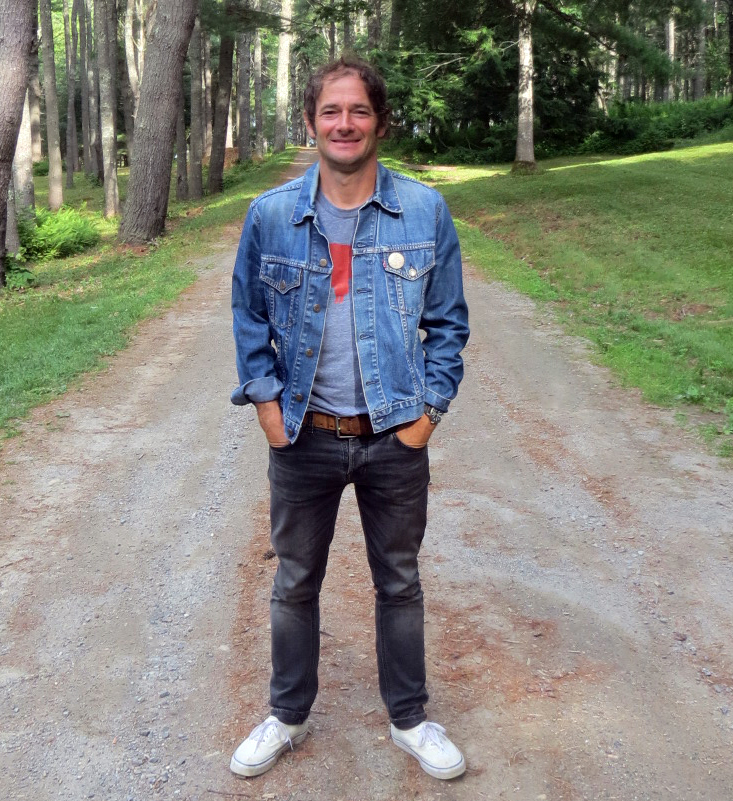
column 343, row 426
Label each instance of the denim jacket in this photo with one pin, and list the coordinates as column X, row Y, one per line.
column 406, row 279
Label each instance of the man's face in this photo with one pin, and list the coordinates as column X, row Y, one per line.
column 346, row 126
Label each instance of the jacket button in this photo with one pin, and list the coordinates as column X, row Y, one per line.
column 317, row 307
column 282, row 284
column 299, row 397
column 289, row 432
column 323, row 262
column 309, row 352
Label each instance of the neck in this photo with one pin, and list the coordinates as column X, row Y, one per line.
column 348, row 190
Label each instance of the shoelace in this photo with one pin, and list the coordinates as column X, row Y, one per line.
column 432, row 734
column 261, row 732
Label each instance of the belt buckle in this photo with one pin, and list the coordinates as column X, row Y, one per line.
column 338, row 430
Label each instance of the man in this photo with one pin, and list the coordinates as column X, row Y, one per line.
column 336, row 275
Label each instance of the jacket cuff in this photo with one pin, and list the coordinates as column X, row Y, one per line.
column 258, row 390
column 433, row 399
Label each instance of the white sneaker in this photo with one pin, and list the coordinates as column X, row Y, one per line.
column 431, row 748
column 260, row 751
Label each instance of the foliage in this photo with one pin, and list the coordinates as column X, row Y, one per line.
column 40, row 168
column 50, row 235
column 642, row 128
column 17, row 274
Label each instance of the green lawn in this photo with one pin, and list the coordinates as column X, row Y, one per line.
column 635, row 254
column 85, row 308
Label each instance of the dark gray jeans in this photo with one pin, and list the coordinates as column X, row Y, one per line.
column 391, row 485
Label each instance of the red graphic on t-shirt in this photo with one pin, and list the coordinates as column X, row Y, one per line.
column 341, row 275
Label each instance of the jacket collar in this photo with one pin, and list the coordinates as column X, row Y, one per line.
column 385, row 194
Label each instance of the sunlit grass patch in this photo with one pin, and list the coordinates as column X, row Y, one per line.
column 634, row 252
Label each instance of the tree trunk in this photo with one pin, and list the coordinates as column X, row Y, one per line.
column 699, row 79
column 221, row 115
column 374, row 26
column 96, row 95
column 84, row 85
column 71, row 150
column 53, row 138
column 95, row 156
column 257, row 81
column 208, row 104
column 244, row 56
column 34, row 85
column 524, row 158
column 112, row 53
column 670, row 34
column 730, row 48
column 196, row 186
column 395, row 23
column 332, row 33
column 133, row 74
column 128, row 104
column 348, row 38
column 283, row 77
column 24, row 190
column 17, row 25
column 296, row 107
column 12, row 240
column 150, row 173
column 182, row 170
column 107, row 110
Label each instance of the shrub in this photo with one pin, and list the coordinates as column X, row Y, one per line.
column 52, row 235
column 40, row 167
column 17, row 275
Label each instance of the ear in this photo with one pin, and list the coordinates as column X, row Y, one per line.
column 308, row 127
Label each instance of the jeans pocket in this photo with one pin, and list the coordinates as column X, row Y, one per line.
column 405, row 446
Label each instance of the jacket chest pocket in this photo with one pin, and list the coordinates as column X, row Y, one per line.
column 281, row 284
column 405, row 272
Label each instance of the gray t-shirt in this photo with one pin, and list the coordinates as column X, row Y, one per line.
column 337, row 385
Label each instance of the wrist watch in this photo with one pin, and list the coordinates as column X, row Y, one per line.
column 434, row 414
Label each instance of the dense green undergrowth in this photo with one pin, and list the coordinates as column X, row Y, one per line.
column 627, row 129
column 84, row 308
column 633, row 253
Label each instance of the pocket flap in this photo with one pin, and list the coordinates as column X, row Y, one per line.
column 282, row 277
column 415, row 263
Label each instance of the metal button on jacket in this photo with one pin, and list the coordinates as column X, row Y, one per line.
column 317, row 307
column 282, row 284
column 396, row 260
column 299, row 397
column 309, row 352
column 323, row 262
column 412, row 272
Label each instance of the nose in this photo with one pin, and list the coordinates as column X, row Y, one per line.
column 345, row 123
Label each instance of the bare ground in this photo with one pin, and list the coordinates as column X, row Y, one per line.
column 577, row 571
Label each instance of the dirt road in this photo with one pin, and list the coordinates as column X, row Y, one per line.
column 577, row 570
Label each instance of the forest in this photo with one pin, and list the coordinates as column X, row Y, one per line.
column 92, row 86
column 158, row 102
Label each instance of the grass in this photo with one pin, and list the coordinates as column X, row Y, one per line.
column 633, row 253
column 85, row 308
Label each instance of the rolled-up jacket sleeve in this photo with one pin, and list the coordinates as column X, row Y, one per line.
column 256, row 356
column 445, row 316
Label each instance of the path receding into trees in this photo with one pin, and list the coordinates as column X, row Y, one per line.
column 577, row 571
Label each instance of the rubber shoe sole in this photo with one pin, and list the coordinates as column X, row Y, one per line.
column 451, row 772
column 259, row 768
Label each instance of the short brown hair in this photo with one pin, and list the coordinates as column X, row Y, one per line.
column 374, row 84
